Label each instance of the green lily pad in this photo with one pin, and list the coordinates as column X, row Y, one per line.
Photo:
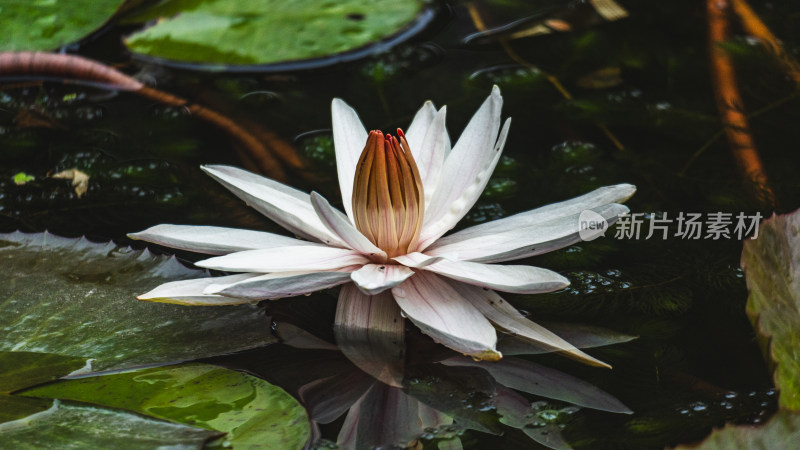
column 782, row 431
column 49, row 24
column 77, row 427
column 253, row 32
column 72, row 297
column 253, row 413
column 19, row 370
column 772, row 270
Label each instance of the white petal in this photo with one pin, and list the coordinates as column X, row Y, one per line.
column 279, row 285
column 339, row 225
column 416, row 260
column 516, row 279
column 286, row 206
column 370, row 332
column 440, row 312
column 416, row 131
column 465, row 183
column 191, row 292
column 212, row 240
column 373, row 279
column 305, row 258
column 487, row 245
column 506, row 317
column 431, row 155
column 527, row 376
column 349, row 138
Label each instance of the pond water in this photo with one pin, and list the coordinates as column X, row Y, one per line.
column 641, row 110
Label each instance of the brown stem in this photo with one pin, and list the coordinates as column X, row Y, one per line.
column 260, row 156
column 730, row 105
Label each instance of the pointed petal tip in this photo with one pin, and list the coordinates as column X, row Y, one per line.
column 495, row 89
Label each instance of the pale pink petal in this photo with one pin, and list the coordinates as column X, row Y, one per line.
column 349, row 138
column 388, row 418
column 539, row 228
column 440, row 312
column 328, row 398
column 416, row 131
column 516, row 279
column 212, row 240
column 370, row 332
column 454, row 198
column 416, row 260
column 304, row 258
column 431, row 156
column 520, row 242
column 279, row 285
column 373, row 279
column 579, row 335
column 191, row 292
column 527, row 376
column 507, row 318
column 339, row 225
column 286, row 206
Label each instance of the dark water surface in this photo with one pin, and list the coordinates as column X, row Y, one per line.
column 695, row 364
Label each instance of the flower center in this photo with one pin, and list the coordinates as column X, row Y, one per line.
column 388, row 201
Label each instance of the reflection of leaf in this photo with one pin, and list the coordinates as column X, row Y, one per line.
column 781, row 432
column 39, row 25
column 772, row 269
column 268, row 31
column 76, row 298
column 67, row 426
column 254, row 413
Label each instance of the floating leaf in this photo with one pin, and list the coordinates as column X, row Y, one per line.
column 19, row 370
column 268, row 31
column 80, row 181
column 76, row 298
column 772, row 269
column 47, row 25
column 68, row 426
column 781, row 431
column 253, row 413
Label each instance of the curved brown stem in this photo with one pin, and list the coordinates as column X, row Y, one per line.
column 730, row 105
column 269, row 160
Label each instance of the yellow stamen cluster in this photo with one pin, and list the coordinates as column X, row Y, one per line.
column 388, row 201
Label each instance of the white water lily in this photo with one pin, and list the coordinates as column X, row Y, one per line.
column 401, row 195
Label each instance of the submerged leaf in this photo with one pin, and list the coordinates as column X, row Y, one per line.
column 73, row 297
column 253, row 413
column 772, row 269
column 781, row 431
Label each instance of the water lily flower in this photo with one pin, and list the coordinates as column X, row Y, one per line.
column 401, row 194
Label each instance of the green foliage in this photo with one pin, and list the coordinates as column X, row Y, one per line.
column 267, row 31
column 50, row 24
column 78, row 426
column 72, row 297
column 772, row 269
column 253, row 413
column 780, row 432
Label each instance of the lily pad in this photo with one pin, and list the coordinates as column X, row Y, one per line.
column 19, row 370
column 253, row 413
column 50, row 24
column 250, row 32
column 73, row 297
column 772, row 270
column 782, row 431
column 78, row 426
